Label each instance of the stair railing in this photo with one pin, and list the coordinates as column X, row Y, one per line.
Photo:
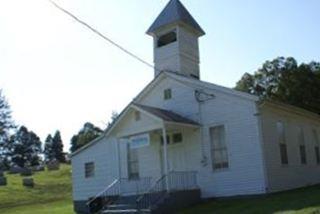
column 177, row 181
column 105, row 197
column 153, row 195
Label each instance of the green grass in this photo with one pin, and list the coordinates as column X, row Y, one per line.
column 301, row 201
column 51, row 194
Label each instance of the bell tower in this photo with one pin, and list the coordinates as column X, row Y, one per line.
column 176, row 41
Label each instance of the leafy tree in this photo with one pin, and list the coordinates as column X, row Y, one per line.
column 6, row 125
column 25, row 148
column 57, row 147
column 282, row 79
column 87, row 133
column 48, row 151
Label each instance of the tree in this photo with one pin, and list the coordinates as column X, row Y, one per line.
column 6, row 125
column 114, row 116
column 282, row 79
column 25, row 148
column 48, row 151
column 86, row 134
column 57, row 147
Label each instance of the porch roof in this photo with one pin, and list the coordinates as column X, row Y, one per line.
column 166, row 115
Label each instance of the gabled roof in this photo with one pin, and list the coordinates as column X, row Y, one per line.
column 175, row 12
column 165, row 115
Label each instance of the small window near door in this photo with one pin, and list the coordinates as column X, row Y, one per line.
column 89, row 170
column 133, row 163
column 219, row 151
column 177, row 138
column 168, row 140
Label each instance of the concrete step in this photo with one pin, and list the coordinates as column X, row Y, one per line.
column 120, row 206
column 126, row 211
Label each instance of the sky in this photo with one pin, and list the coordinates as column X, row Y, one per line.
column 57, row 75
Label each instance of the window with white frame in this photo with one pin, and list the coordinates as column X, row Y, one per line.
column 282, row 143
column 302, row 146
column 219, row 151
column 317, row 145
column 133, row 163
column 89, row 169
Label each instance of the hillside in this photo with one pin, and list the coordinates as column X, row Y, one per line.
column 51, row 194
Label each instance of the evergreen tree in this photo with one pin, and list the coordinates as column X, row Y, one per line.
column 6, row 125
column 114, row 116
column 25, row 148
column 57, row 147
column 88, row 133
column 48, row 151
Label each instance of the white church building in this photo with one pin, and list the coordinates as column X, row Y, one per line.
column 182, row 139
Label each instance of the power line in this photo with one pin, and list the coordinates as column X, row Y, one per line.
column 101, row 35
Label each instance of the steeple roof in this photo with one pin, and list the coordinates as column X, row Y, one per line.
column 175, row 12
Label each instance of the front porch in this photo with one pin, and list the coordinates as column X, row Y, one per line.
column 151, row 166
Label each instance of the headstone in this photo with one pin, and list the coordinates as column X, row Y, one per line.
column 38, row 168
column 26, row 172
column 15, row 170
column 28, row 182
column 3, row 181
column 53, row 165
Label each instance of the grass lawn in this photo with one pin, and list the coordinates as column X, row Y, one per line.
column 301, row 201
column 51, row 194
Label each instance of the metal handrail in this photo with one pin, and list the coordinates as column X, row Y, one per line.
column 103, row 192
column 146, row 200
column 98, row 202
column 177, row 181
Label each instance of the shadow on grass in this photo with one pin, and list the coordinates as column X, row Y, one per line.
column 304, row 200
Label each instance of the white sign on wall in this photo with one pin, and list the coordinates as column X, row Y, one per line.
column 139, row 141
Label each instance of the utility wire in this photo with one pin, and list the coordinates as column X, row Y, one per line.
column 100, row 34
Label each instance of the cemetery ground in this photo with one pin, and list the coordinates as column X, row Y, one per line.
column 51, row 193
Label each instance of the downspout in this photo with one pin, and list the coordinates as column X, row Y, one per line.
column 204, row 159
column 201, row 97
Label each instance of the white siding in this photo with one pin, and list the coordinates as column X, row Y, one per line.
column 103, row 154
column 246, row 172
column 294, row 174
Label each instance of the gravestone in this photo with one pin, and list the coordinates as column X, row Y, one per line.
column 26, row 172
column 53, row 165
column 28, row 182
column 15, row 170
column 3, row 181
column 39, row 168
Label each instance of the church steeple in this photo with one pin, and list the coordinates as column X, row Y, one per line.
column 176, row 46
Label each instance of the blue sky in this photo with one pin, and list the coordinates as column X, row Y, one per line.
column 57, row 75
